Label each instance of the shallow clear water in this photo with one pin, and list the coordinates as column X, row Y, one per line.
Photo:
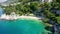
column 21, row 26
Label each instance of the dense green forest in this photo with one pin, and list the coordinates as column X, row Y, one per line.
column 49, row 10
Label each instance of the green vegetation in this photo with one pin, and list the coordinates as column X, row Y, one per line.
column 51, row 15
column 29, row 6
column 24, row 7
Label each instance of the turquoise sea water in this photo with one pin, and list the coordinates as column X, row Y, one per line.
column 21, row 26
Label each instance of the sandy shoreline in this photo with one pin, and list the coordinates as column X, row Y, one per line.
column 9, row 17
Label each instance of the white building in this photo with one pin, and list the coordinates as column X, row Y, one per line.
column 45, row 0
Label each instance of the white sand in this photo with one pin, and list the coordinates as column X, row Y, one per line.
column 2, row 1
column 9, row 17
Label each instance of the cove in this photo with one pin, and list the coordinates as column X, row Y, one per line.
column 21, row 26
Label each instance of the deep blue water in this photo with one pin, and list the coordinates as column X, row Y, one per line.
column 21, row 26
